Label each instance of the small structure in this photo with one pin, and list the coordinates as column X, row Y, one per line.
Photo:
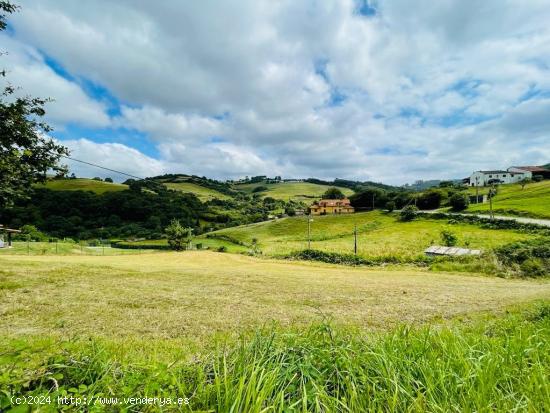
column 5, row 236
column 331, row 206
column 484, row 178
column 450, row 251
column 534, row 170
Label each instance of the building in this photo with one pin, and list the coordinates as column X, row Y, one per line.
column 534, row 170
column 331, row 206
column 484, row 178
column 5, row 236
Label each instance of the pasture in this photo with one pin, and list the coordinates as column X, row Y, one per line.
column 532, row 201
column 295, row 191
column 203, row 193
column 234, row 333
column 82, row 184
column 379, row 235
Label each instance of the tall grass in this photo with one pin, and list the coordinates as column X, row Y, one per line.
column 501, row 365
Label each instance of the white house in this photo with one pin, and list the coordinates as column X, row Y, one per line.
column 484, row 178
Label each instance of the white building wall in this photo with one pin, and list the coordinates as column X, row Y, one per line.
column 480, row 178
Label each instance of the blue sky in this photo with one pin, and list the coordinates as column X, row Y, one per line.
column 389, row 91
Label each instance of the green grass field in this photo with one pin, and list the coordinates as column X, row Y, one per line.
column 533, row 201
column 82, row 184
column 297, row 191
column 203, row 193
column 63, row 248
column 235, row 333
column 379, row 235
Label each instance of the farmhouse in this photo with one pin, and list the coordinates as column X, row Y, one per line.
column 534, row 170
column 484, row 178
column 331, row 206
column 5, row 236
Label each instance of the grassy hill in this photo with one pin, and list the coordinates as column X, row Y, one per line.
column 380, row 235
column 532, row 201
column 82, row 184
column 203, row 193
column 296, row 191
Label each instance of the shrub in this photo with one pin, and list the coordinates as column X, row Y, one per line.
column 222, row 248
column 178, row 236
column 390, row 206
column 110, row 180
column 260, row 188
column 199, row 246
column 409, row 213
column 530, row 258
column 430, row 199
column 459, row 201
column 448, row 238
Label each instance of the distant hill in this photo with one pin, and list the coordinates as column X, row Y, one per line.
column 295, row 191
column 82, row 184
column 204, row 188
column 547, row 166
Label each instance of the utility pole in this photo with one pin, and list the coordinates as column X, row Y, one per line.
column 309, row 232
column 373, row 201
column 355, row 239
column 491, row 194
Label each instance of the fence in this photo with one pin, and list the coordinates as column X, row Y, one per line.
column 74, row 248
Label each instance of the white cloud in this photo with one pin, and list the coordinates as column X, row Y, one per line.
column 26, row 69
column 421, row 90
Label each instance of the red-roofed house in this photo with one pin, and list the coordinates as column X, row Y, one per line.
column 331, row 206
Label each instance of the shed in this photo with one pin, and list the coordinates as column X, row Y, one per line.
column 450, row 251
column 5, row 236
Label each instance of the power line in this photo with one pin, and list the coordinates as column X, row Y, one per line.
column 103, row 167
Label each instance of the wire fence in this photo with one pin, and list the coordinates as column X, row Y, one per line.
column 103, row 248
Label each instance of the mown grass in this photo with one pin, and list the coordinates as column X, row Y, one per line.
column 532, row 201
column 491, row 364
column 82, row 184
column 297, row 191
column 193, row 295
column 379, row 235
column 203, row 193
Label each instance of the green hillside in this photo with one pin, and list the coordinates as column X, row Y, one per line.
column 82, row 184
column 379, row 235
column 203, row 193
column 296, row 191
column 533, row 200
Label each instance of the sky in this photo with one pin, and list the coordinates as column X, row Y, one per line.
column 383, row 90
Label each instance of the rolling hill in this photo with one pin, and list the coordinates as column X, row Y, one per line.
column 296, row 191
column 203, row 193
column 533, row 200
column 82, row 184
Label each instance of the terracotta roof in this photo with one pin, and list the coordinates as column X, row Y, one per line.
column 531, row 168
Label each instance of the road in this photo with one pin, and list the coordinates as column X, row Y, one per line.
column 523, row 220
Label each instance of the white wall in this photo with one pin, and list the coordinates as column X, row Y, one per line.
column 482, row 179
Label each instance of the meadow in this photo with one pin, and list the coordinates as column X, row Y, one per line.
column 287, row 191
column 65, row 248
column 236, row 333
column 379, row 235
column 82, row 184
column 203, row 193
column 532, row 201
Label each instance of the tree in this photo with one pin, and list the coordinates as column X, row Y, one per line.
column 524, row 182
column 178, row 236
column 430, row 199
column 333, row 193
column 110, row 180
column 459, row 201
column 390, row 206
column 26, row 153
column 409, row 213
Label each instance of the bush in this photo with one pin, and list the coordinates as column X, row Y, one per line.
column 449, row 238
column 529, row 258
column 430, row 199
column 390, row 206
column 222, row 248
column 199, row 246
column 409, row 213
column 260, row 188
column 459, row 201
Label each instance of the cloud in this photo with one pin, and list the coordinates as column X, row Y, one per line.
column 26, row 69
column 407, row 91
